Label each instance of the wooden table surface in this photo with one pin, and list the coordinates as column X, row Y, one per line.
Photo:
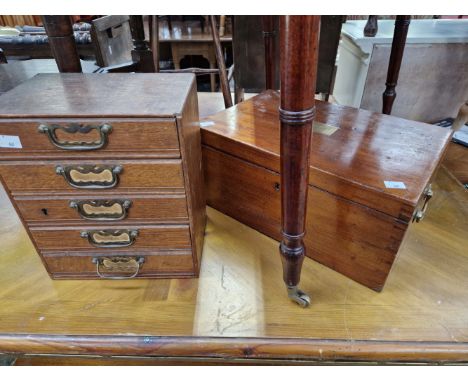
column 238, row 310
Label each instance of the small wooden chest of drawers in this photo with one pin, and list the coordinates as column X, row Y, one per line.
column 105, row 172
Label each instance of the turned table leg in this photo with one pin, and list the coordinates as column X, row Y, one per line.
column 299, row 56
column 396, row 56
column 59, row 30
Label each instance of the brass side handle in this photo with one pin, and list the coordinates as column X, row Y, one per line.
column 114, row 209
column 73, row 129
column 110, row 238
column 118, row 267
column 419, row 214
column 90, row 176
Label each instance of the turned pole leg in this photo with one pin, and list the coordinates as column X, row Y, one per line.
column 59, row 30
column 269, row 43
column 396, row 56
column 299, row 53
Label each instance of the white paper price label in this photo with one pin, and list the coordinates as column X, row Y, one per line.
column 392, row 184
column 10, row 142
column 206, row 123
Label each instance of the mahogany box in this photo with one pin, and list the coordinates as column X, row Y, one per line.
column 105, row 172
column 370, row 178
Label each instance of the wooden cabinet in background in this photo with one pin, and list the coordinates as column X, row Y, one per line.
column 105, row 172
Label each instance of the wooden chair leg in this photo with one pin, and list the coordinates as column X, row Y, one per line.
column 59, row 30
column 221, row 64
column 154, row 40
column 396, row 56
column 141, row 53
column 299, row 57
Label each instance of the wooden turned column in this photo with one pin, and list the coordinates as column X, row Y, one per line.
column 396, row 56
column 269, row 43
column 141, row 53
column 59, row 31
column 299, row 56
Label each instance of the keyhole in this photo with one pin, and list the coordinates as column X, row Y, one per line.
column 44, row 211
column 277, row 186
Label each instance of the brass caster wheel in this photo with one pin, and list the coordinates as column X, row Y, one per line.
column 298, row 296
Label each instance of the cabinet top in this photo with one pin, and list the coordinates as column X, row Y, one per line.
column 368, row 157
column 98, row 95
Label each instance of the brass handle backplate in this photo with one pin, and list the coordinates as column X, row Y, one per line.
column 419, row 214
column 118, row 268
column 90, row 176
column 51, row 131
column 101, row 209
column 110, row 238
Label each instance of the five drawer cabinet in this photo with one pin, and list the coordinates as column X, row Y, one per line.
column 105, row 172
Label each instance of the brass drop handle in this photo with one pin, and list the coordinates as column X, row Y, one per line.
column 110, row 238
column 114, row 209
column 419, row 214
column 51, row 131
column 108, row 267
column 90, row 176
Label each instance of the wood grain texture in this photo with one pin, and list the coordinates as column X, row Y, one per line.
column 190, row 140
column 298, row 65
column 350, row 238
column 59, row 31
column 44, row 210
column 353, row 162
column 136, row 175
column 96, row 95
column 149, row 237
column 148, row 138
column 236, row 310
column 45, row 182
column 456, row 161
column 156, row 265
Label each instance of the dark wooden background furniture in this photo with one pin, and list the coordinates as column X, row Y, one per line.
column 256, row 52
column 396, row 56
column 112, row 40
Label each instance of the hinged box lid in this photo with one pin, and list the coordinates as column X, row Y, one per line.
column 376, row 160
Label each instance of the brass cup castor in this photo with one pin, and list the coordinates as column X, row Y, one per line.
column 298, row 296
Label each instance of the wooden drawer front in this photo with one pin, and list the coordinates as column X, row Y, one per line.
column 83, row 265
column 93, row 137
column 111, row 208
column 42, row 175
column 111, row 238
